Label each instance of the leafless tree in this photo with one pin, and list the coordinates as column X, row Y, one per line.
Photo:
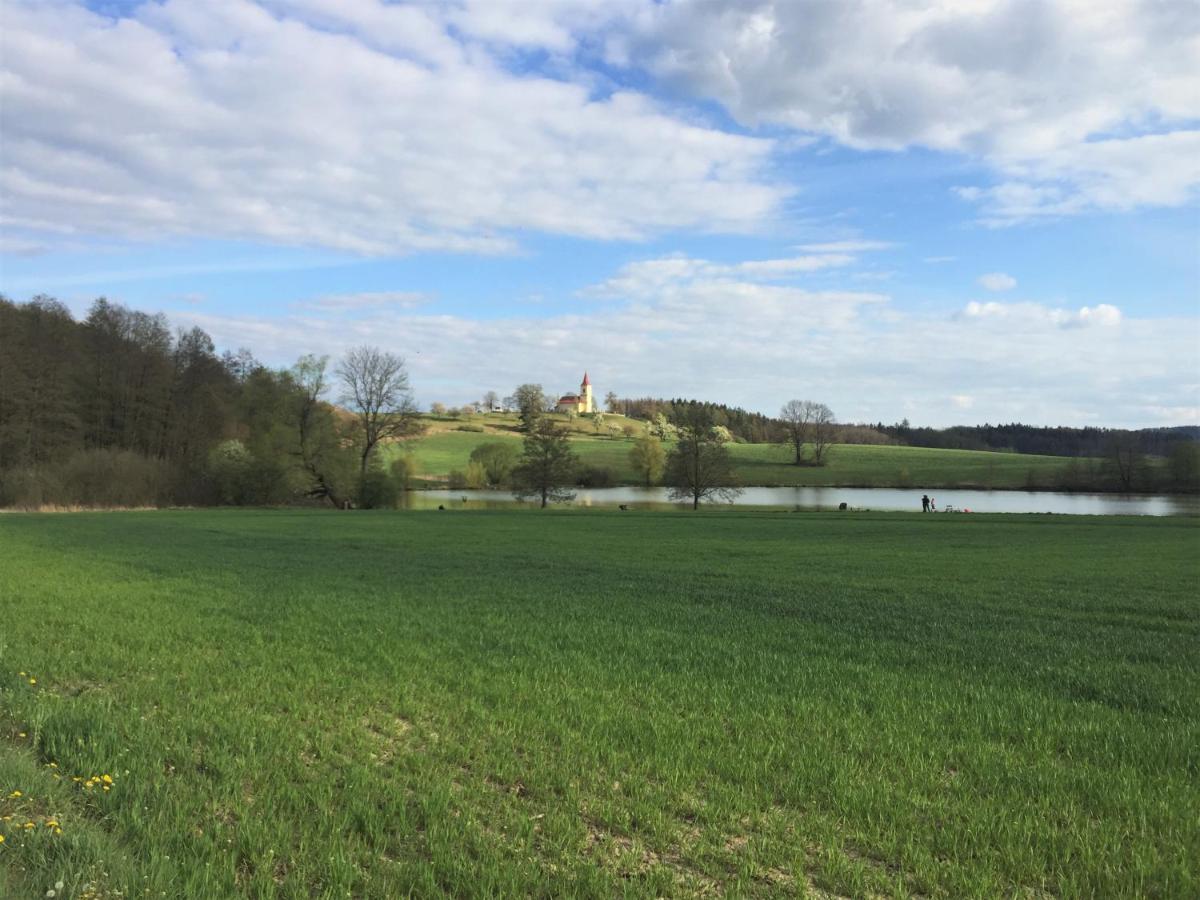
column 375, row 388
column 808, row 422
column 796, row 417
column 823, row 431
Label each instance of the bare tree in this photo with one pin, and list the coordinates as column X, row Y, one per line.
column 808, row 422
column 796, row 417
column 612, row 402
column 490, row 401
column 375, row 387
column 822, row 431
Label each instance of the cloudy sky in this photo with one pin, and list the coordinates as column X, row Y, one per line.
column 955, row 212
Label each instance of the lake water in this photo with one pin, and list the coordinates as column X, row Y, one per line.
column 856, row 498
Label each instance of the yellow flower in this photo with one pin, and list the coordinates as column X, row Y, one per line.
column 1, row 839
column 107, row 779
column 14, row 794
column 33, row 681
column 22, row 674
column 51, row 823
column 20, row 734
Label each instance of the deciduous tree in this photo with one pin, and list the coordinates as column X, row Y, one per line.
column 547, row 467
column 699, row 466
column 376, row 389
column 648, row 458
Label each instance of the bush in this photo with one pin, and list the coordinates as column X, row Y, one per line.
column 595, row 477
column 457, row 480
column 475, row 428
column 476, row 476
column 377, row 490
column 403, row 470
column 114, row 478
column 497, row 459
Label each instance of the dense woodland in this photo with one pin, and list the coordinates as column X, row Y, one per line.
column 119, row 409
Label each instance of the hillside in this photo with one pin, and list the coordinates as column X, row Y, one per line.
column 446, row 447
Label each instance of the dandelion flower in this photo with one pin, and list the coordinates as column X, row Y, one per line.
column 33, row 681
column 14, row 794
column 1, row 839
column 107, row 779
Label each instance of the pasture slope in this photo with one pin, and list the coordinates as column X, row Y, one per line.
column 513, row 703
column 445, row 448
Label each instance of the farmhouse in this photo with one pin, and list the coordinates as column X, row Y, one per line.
column 578, row 403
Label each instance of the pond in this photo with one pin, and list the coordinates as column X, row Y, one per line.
column 855, row 498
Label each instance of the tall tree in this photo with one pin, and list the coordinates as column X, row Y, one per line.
column 699, row 466
column 320, row 449
column 822, row 431
column 530, row 401
column 796, row 417
column 548, row 465
column 376, row 389
column 647, row 458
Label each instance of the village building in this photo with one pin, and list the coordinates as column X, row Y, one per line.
column 577, row 403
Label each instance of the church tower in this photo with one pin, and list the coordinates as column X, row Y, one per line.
column 585, row 395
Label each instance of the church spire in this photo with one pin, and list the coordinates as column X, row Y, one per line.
column 586, row 381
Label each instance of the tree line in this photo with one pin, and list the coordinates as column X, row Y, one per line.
column 119, row 410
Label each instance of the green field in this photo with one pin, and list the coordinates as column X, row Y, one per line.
column 516, row 703
column 444, row 449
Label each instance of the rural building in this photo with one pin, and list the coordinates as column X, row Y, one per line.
column 578, row 403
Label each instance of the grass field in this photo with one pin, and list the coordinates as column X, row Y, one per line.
column 767, row 465
column 514, row 703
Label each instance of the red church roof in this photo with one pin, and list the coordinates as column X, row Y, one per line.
column 586, row 380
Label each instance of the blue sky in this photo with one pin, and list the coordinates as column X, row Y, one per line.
column 967, row 212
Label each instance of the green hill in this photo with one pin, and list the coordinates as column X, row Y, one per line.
column 448, row 443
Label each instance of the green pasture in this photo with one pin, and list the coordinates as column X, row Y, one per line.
column 595, row 704
column 761, row 465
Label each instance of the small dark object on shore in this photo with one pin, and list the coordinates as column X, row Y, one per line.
column 441, row 507
column 842, row 506
column 623, row 508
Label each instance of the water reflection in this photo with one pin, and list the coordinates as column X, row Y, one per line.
column 855, row 498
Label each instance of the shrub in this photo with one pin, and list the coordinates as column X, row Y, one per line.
column 113, row 478
column 457, row 480
column 595, row 477
column 497, row 458
column 476, row 476
column 377, row 490
column 403, row 470
column 475, row 428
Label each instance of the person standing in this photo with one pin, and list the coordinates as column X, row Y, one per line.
column 932, row 505
column 924, row 503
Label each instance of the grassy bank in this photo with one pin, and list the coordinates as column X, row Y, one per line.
column 446, row 448
column 590, row 704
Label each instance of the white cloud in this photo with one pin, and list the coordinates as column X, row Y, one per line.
column 1102, row 315
column 997, row 281
column 681, row 326
column 1077, row 105
column 358, row 126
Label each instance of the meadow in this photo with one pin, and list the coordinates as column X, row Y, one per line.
column 445, row 448
column 587, row 703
